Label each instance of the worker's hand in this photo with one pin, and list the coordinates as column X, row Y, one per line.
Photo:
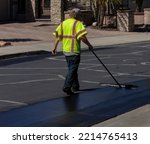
column 54, row 52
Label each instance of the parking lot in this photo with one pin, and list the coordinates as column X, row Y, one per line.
column 36, row 79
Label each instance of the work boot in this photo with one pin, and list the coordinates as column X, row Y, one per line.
column 75, row 89
column 68, row 91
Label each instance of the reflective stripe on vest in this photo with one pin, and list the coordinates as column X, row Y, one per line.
column 61, row 36
column 74, row 35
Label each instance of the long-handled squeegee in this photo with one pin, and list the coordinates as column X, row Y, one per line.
column 129, row 86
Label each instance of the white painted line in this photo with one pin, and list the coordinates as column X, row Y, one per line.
column 13, row 102
column 88, row 60
column 122, row 74
column 110, row 64
column 125, row 60
column 121, row 64
column 34, row 74
column 97, row 65
column 88, row 64
column 127, row 74
column 118, row 74
column 112, row 55
column 103, row 56
column 121, row 54
column 29, row 68
column 96, row 70
column 145, row 46
column 145, row 63
column 138, row 52
column 56, row 59
column 100, row 70
column 61, row 76
column 24, row 82
column 91, row 82
column 88, row 67
column 141, row 75
column 95, row 59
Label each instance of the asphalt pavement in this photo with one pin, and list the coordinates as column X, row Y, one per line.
column 134, row 117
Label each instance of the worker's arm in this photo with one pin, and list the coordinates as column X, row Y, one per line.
column 54, row 51
column 85, row 40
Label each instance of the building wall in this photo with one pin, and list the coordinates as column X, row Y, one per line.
column 9, row 10
column 4, row 10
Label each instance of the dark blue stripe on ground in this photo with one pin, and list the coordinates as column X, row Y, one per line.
column 84, row 109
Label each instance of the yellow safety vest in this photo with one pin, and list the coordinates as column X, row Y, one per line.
column 70, row 31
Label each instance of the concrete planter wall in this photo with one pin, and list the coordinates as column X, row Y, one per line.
column 147, row 16
column 138, row 18
column 125, row 20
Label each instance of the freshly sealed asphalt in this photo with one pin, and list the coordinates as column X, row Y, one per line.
column 31, row 87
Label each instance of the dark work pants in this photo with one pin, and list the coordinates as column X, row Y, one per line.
column 71, row 80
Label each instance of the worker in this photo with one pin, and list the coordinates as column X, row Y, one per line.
column 71, row 32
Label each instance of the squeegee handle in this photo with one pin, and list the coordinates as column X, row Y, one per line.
column 106, row 68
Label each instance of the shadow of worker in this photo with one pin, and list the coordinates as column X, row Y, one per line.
column 71, row 103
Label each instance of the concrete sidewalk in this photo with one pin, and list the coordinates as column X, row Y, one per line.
column 139, row 117
column 40, row 38
column 96, row 42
